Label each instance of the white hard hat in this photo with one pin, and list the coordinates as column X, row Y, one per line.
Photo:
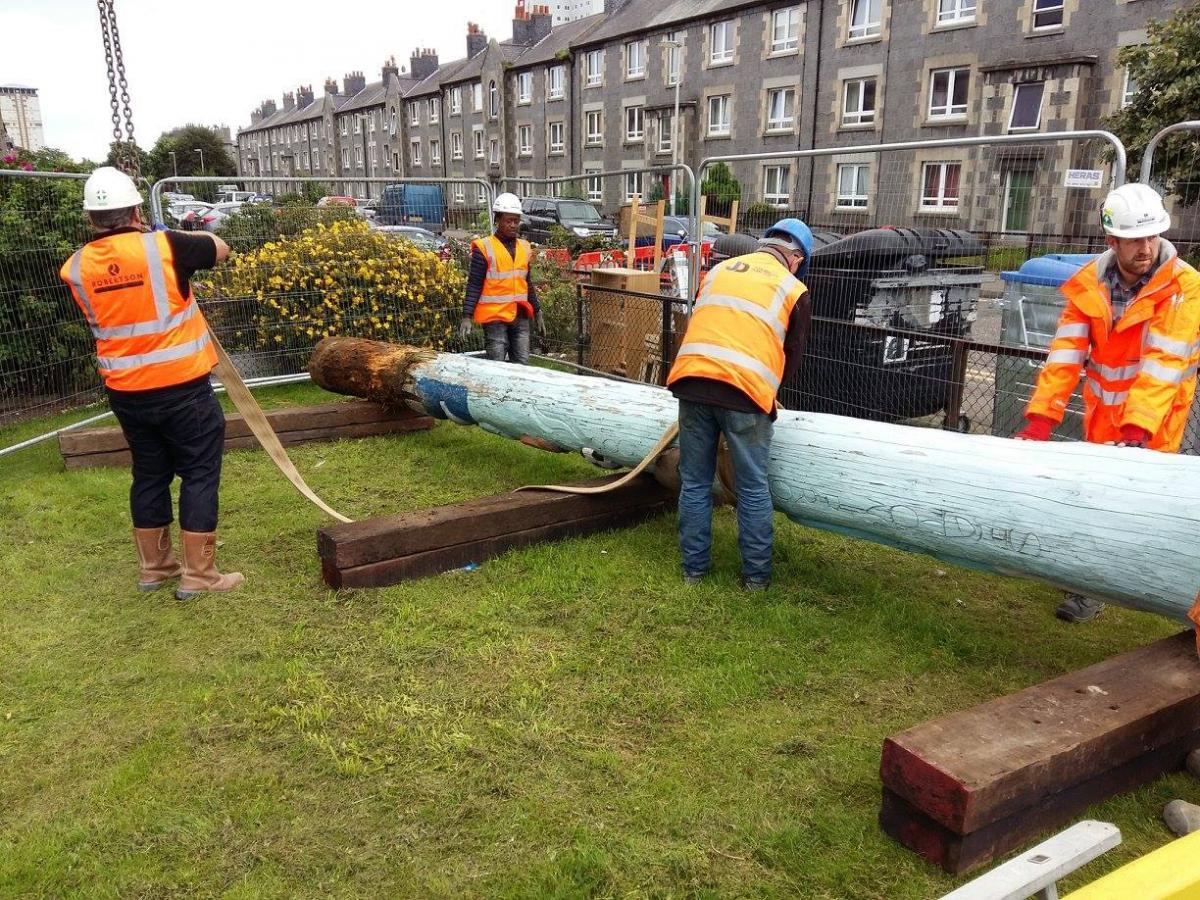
column 507, row 203
column 1134, row 211
column 109, row 188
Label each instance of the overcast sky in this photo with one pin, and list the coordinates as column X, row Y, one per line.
column 213, row 61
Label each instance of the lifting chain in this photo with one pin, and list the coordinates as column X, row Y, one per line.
column 126, row 149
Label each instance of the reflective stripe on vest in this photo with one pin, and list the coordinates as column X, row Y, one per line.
column 1112, row 373
column 116, row 363
column 735, row 357
column 1074, row 357
column 1170, row 345
column 1107, row 398
column 163, row 321
column 768, row 317
column 1076, row 330
column 1155, row 369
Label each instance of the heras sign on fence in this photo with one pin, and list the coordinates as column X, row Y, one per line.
column 1083, row 178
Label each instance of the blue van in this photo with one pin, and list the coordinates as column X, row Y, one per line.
column 413, row 204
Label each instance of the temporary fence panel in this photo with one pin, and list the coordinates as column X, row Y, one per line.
column 911, row 240
column 47, row 360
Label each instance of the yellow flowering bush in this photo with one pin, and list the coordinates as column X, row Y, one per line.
column 343, row 278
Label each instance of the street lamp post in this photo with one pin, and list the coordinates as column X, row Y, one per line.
column 174, row 163
column 201, row 152
column 367, row 167
column 674, row 45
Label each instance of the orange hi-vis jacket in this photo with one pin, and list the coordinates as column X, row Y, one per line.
column 507, row 283
column 1140, row 371
column 738, row 326
column 147, row 334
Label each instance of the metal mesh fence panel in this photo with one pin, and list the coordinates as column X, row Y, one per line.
column 46, row 350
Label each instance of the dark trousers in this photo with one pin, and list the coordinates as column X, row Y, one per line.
column 507, row 340
column 172, row 431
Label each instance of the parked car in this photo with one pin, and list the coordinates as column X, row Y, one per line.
column 337, row 200
column 676, row 228
column 367, row 208
column 423, row 205
column 210, row 217
column 422, row 237
column 235, row 196
column 579, row 217
column 176, row 197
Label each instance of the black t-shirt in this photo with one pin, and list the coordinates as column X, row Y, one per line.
column 192, row 252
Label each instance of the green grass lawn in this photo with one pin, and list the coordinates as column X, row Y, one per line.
column 566, row 721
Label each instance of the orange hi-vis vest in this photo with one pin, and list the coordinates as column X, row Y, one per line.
column 1140, row 371
column 738, row 326
column 147, row 334
column 507, row 283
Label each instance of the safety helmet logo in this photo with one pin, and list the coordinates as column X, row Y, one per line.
column 1106, row 218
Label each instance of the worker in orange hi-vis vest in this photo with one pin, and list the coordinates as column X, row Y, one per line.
column 155, row 354
column 1130, row 327
column 500, row 293
column 745, row 338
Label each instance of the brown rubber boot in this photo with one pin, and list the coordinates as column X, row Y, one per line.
column 200, row 573
column 156, row 560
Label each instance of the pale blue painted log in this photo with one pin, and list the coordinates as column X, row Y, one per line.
column 1113, row 523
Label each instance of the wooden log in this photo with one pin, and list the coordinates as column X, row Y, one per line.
column 93, row 447
column 379, row 552
column 1114, row 523
column 972, row 785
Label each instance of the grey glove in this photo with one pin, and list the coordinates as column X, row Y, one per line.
column 540, row 324
column 464, row 329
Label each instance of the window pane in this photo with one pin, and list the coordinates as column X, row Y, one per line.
column 932, row 177
column 950, row 188
column 869, row 95
column 940, row 91
column 962, row 81
column 1027, row 105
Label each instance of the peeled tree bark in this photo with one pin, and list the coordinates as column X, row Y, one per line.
column 1118, row 524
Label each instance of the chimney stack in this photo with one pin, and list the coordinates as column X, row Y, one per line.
column 353, row 83
column 612, row 6
column 304, row 95
column 424, row 62
column 268, row 108
column 289, row 101
column 390, row 68
column 256, row 116
column 540, row 24
column 330, row 86
column 476, row 40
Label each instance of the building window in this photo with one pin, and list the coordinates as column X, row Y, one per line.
column 494, row 152
column 478, row 136
column 395, row 162
column 416, row 153
column 777, row 185
column 865, row 19
column 493, row 100
column 481, row 195
column 1129, row 91
column 665, row 124
column 633, row 185
column 595, row 127
column 343, row 120
column 635, row 123
column 358, row 156
column 941, row 185
column 414, row 115
column 675, row 58
column 435, row 110
column 595, row 188
column 358, row 124
column 721, row 37
column 525, row 139
column 477, row 96
column 718, row 115
column 635, row 59
column 556, row 142
column 392, row 123
column 948, row 92
column 852, row 185
column 1026, row 112
column 595, row 67
column 1047, row 14
column 858, row 104
column 955, row 12
column 455, row 101
column 556, row 89
column 435, row 152
column 781, row 109
column 460, row 192
column 785, row 30
column 305, row 163
column 345, row 158
column 456, row 145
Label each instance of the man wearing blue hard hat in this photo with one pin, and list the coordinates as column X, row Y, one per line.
column 745, row 338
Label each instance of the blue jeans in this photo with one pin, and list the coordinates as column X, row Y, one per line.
column 748, row 436
column 507, row 340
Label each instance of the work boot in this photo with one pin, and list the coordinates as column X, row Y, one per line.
column 1077, row 609
column 156, row 560
column 754, row 586
column 200, row 573
column 1182, row 817
column 691, row 580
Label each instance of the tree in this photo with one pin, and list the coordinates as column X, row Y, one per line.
column 185, row 142
column 1168, row 91
column 721, row 189
column 117, row 151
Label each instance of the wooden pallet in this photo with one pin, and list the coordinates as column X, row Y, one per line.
column 379, row 552
column 971, row 786
column 298, row 425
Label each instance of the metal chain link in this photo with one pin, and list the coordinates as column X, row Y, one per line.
column 126, row 151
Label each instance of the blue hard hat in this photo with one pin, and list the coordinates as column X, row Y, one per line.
column 798, row 232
